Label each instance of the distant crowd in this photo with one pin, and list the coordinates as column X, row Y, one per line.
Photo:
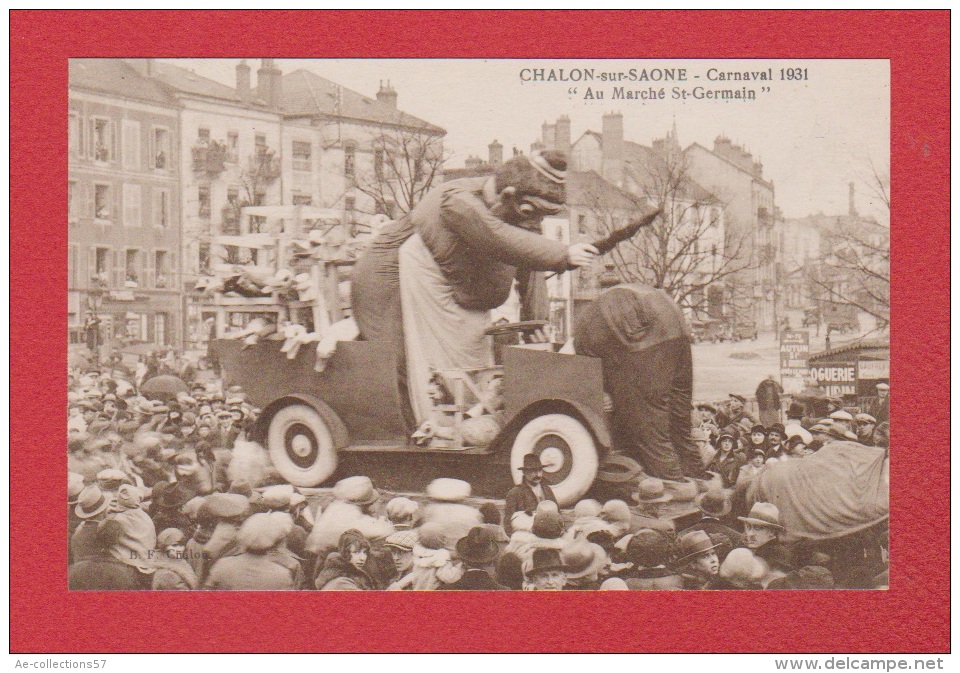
column 166, row 493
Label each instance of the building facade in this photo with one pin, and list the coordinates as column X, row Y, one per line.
column 731, row 173
column 124, row 213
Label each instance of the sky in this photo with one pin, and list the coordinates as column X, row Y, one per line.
column 813, row 135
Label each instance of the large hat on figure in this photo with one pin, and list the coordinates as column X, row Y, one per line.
column 883, row 386
column 358, row 490
column 478, row 547
column 538, row 179
column 865, row 418
column 763, row 514
column 841, row 415
column 735, row 396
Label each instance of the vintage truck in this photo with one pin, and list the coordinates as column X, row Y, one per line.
column 552, row 407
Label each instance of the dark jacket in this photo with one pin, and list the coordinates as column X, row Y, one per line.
column 476, row 579
column 339, row 575
column 103, row 574
column 728, row 467
column 478, row 253
column 777, row 555
column 649, row 579
column 173, row 574
column 522, row 499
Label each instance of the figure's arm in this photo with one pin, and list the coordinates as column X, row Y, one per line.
column 470, row 218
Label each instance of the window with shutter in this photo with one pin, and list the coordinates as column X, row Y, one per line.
column 161, row 208
column 72, row 262
column 93, row 258
column 72, row 197
column 131, row 144
column 301, row 156
column 102, row 144
column 133, row 274
column 131, row 205
column 73, row 132
column 118, row 269
column 102, row 202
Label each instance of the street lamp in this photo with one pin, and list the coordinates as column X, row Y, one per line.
column 91, row 326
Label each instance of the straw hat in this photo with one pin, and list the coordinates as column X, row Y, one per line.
column 651, row 490
column 763, row 514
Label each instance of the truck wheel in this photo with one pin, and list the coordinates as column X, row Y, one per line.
column 567, row 450
column 301, row 446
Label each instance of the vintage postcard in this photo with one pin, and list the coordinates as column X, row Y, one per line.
column 448, row 325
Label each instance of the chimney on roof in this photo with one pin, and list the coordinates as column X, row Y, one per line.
column 387, row 94
column 269, row 83
column 243, row 81
column 495, row 154
column 852, row 207
column 548, row 136
column 472, row 163
column 611, row 148
column 562, row 134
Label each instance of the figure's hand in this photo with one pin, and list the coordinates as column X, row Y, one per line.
column 581, row 254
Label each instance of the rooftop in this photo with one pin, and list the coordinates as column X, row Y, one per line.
column 116, row 77
column 306, row 94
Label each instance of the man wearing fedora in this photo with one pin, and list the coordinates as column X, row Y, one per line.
column 715, row 506
column 529, row 493
column 545, row 571
column 478, row 550
column 698, row 560
column 761, row 534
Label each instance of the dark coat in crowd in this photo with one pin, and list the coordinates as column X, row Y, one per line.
column 173, row 574
column 727, row 466
column 339, row 574
column 650, row 579
column 476, row 579
column 522, row 499
column 103, row 573
column 777, row 555
column 252, row 571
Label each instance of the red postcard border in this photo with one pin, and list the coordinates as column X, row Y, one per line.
column 913, row 616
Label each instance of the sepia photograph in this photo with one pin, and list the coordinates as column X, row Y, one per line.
column 478, row 324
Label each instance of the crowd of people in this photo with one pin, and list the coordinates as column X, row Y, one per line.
column 169, row 495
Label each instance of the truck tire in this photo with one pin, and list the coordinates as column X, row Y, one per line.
column 567, row 449
column 301, row 445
